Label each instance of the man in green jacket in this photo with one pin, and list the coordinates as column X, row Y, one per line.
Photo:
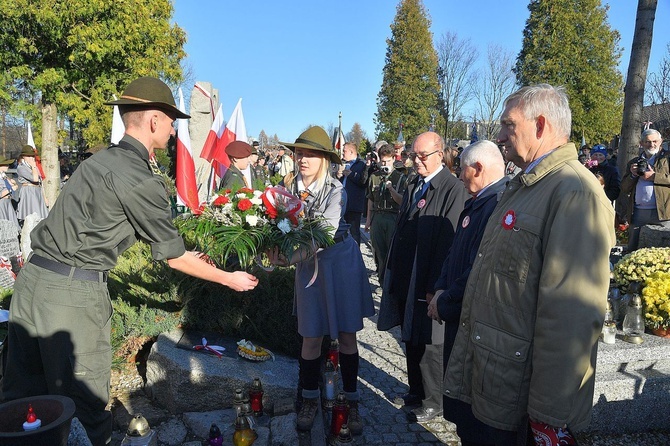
column 535, row 300
column 60, row 315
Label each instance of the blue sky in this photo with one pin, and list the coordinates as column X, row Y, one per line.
column 301, row 62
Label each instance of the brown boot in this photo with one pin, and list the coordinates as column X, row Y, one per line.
column 307, row 414
column 355, row 421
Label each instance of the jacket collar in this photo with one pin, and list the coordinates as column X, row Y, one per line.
column 560, row 155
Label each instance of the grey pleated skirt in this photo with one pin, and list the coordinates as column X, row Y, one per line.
column 7, row 212
column 340, row 297
column 31, row 202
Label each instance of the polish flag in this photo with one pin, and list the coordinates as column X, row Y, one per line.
column 118, row 128
column 38, row 160
column 235, row 130
column 187, row 192
column 214, row 136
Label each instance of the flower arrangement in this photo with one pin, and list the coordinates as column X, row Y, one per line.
column 641, row 264
column 656, row 297
column 237, row 226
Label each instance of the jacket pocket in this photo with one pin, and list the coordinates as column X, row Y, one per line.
column 515, row 247
column 499, row 364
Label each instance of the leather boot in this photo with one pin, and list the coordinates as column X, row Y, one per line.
column 307, row 414
column 355, row 421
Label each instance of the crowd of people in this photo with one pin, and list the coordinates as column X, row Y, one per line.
column 476, row 251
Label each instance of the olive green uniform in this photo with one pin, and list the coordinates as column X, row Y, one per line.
column 60, row 315
column 384, row 214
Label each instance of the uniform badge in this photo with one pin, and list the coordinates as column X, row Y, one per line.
column 508, row 220
column 466, row 222
column 421, row 203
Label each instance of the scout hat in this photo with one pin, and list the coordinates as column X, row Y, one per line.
column 149, row 92
column 315, row 138
column 238, row 149
column 4, row 161
column 28, row 151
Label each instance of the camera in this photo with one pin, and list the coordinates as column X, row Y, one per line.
column 642, row 165
column 384, row 170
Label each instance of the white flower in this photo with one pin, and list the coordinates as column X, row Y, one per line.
column 240, row 196
column 258, row 193
column 284, row 226
column 252, row 220
column 256, row 201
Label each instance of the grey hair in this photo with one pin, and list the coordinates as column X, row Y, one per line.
column 485, row 152
column 548, row 101
column 651, row 132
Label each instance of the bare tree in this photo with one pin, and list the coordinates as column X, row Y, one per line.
column 658, row 83
column 456, row 76
column 494, row 83
column 357, row 134
column 635, row 82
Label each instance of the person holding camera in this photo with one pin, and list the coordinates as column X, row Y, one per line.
column 354, row 176
column 647, row 186
column 385, row 188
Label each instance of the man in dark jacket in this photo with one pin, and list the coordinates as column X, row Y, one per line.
column 354, row 177
column 601, row 166
column 483, row 173
column 424, row 233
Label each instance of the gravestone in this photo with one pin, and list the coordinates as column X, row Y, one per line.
column 10, row 254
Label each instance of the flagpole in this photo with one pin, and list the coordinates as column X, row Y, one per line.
column 339, row 132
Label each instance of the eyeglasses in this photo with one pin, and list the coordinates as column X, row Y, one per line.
column 413, row 155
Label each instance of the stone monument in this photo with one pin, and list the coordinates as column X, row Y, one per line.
column 204, row 104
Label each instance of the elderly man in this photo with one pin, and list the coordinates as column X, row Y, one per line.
column 483, row 173
column 354, row 176
column 283, row 164
column 533, row 308
column 424, row 232
column 646, row 183
column 59, row 327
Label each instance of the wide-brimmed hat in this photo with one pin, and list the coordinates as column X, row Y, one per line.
column 315, row 138
column 149, row 92
column 5, row 161
column 238, row 149
column 28, row 151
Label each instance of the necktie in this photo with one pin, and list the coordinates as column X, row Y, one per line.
column 418, row 191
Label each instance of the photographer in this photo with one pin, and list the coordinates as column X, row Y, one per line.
column 385, row 189
column 599, row 165
column 647, row 186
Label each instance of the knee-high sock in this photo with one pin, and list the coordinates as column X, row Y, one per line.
column 309, row 373
column 349, row 368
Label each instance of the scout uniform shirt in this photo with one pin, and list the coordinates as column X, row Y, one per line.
column 380, row 195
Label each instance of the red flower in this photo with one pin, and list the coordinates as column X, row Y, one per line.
column 244, row 204
column 220, row 200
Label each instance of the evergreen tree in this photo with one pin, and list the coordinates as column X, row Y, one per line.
column 409, row 90
column 570, row 43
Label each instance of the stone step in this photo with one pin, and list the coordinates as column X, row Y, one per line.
column 632, row 386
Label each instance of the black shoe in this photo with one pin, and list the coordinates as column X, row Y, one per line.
column 421, row 414
column 305, row 419
column 407, row 399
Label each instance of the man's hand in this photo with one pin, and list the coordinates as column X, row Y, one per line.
column 432, row 306
column 241, row 281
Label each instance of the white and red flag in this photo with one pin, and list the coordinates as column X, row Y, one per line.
column 118, row 128
column 187, row 191
column 235, row 130
column 38, row 160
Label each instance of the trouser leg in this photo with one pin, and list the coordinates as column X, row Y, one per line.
column 413, row 355
column 431, row 374
column 354, row 219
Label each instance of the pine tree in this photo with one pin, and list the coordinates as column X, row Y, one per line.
column 570, row 43
column 409, row 91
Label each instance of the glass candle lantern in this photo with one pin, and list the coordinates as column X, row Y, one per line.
column 329, row 376
column 244, row 435
column 256, row 397
column 633, row 323
column 340, row 415
column 334, row 353
column 609, row 332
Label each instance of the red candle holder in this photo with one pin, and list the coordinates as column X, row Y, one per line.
column 340, row 415
column 256, row 397
column 334, row 353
